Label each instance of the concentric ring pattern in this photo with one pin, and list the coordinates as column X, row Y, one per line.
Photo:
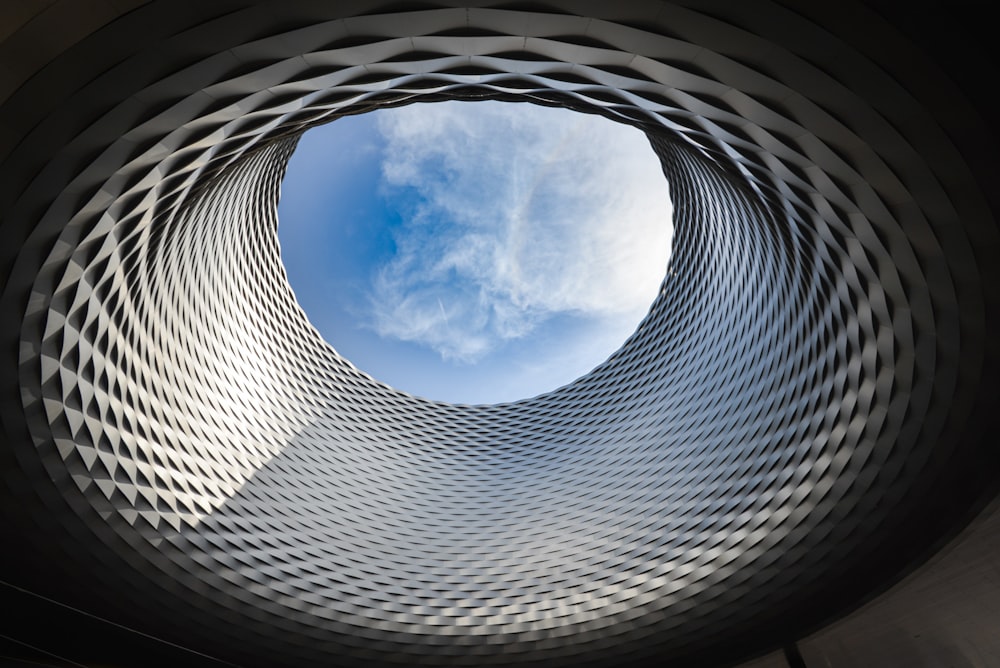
column 805, row 383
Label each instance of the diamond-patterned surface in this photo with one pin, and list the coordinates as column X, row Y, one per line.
column 806, row 376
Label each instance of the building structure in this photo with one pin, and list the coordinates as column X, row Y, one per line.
column 806, row 415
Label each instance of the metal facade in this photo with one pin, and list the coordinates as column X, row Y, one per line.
column 771, row 447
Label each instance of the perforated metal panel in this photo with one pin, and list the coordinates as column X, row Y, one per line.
column 808, row 375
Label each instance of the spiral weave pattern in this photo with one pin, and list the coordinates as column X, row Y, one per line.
column 796, row 384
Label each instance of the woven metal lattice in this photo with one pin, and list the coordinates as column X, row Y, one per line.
column 745, row 448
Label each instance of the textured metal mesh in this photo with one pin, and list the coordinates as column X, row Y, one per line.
column 746, row 447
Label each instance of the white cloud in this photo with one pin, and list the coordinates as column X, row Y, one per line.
column 516, row 213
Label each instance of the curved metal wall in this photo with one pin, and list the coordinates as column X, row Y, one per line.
column 753, row 461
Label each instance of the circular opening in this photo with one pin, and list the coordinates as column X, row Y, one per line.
column 475, row 252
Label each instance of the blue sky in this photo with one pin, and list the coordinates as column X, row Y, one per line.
column 475, row 252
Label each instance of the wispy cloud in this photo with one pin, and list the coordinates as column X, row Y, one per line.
column 514, row 214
